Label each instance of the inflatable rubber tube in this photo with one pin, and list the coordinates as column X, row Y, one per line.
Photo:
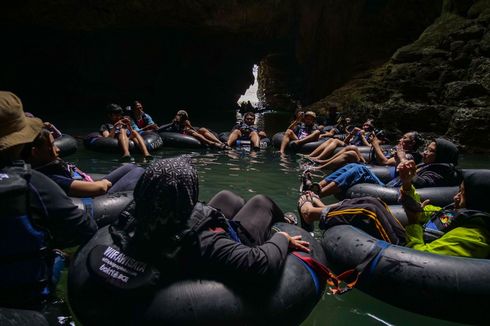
column 94, row 141
column 175, row 139
column 20, row 317
column 452, row 288
column 438, row 196
column 67, row 145
column 264, row 142
column 199, row 301
column 306, row 148
column 384, row 173
column 105, row 208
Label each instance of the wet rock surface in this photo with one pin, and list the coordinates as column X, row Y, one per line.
column 438, row 84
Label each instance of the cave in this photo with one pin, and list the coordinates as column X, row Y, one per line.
column 77, row 57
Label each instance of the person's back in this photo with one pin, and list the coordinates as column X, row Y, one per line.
column 48, row 206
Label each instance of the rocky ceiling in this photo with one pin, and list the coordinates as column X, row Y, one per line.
column 76, row 56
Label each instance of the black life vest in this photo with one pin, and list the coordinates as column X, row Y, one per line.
column 116, row 267
column 25, row 261
column 447, row 219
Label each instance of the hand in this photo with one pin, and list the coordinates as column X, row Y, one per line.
column 48, row 125
column 295, row 242
column 407, row 171
column 105, row 184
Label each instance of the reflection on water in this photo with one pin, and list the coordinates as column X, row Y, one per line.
column 266, row 172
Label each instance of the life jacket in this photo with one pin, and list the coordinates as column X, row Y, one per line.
column 448, row 219
column 302, row 130
column 25, row 260
column 114, row 266
column 60, row 167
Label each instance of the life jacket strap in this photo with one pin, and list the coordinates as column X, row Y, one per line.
column 345, row 281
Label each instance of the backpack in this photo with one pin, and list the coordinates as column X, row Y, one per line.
column 25, row 259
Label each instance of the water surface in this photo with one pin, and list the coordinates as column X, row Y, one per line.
column 265, row 172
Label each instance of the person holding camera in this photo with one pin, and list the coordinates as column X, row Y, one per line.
column 301, row 131
column 246, row 130
column 120, row 128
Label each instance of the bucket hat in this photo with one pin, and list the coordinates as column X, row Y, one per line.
column 15, row 127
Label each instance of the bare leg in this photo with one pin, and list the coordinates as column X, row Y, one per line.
column 255, row 139
column 288, row 136
column 338, row 160
column 329, row 148
column 319, row 149
column 140, row 142
column 123, row 142
column 200, row 137
column 234, row 135
column 209, row 135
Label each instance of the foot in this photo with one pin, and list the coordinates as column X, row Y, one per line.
column 147, row 159
column 304, row 205
column 126, row 159
column 221, row 146
column 315, row 199
column 306, row 181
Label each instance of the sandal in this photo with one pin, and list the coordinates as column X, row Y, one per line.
column 290, row 218
column 303, row 199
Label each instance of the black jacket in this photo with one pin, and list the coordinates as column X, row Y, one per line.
column 53, row 209
column 219, row 253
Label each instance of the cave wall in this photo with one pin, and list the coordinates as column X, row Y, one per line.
column 439, row 84
column 336, row 40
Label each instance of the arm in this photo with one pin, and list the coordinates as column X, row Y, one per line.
column 351, row 134
column 105, row 131
column 416, row 211
column 54, row 131
column 296, row 121
column 461, row 241
column 80, row 188
column 329, row 133
column 363, row 139
column 150, row 125
column 264, row 260
column 380, row 156
column 67, row 224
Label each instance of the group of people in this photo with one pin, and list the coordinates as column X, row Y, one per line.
column 227, row 236
column 461, row 229
column 234, row 234
column 129, row 124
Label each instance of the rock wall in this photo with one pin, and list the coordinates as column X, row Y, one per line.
column 438, row 84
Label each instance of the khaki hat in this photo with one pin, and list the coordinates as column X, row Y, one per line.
column 15, row 127
column 313, row 114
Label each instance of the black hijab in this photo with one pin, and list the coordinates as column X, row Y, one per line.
column 446, row 152
column 477, row 189
column 164, row 196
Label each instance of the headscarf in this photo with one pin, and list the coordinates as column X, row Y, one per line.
column 164, row 196
column 477, row 189
column 446, row 152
